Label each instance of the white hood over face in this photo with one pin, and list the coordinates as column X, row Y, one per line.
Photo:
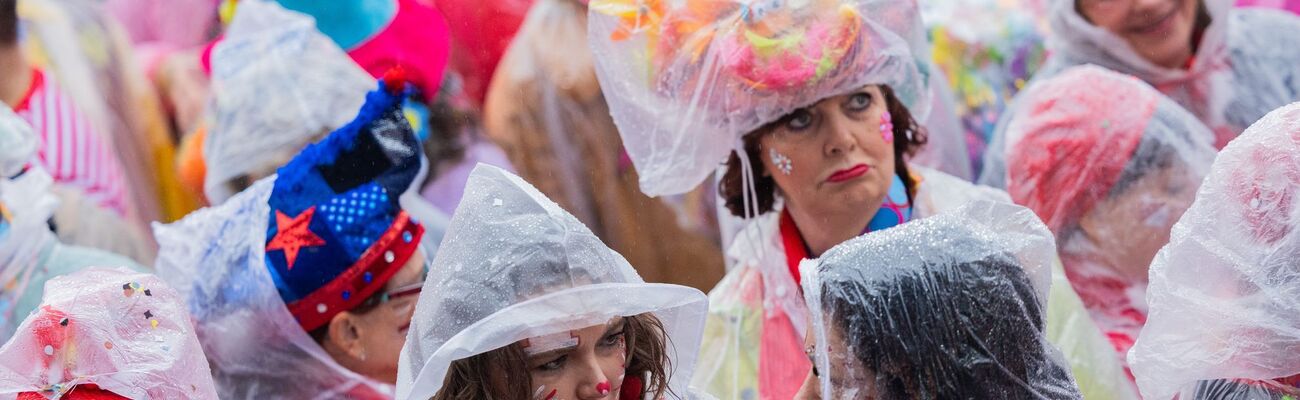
column 514, row 265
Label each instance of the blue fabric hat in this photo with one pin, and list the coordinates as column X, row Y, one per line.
column 336, row 232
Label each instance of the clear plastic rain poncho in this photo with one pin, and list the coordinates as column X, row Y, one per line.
column 1109, row 164
column 1244, row 67
column 216, row 258
column 1223, row 293
column 685, row 80
column 121, row 331
column 513, row 266
column 278, row 84
column 952, row 306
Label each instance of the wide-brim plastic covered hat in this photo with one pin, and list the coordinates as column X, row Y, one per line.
column 1224, row 292
column 954, row 303
column 124, row 332
column 513, row 266
column 686, row 79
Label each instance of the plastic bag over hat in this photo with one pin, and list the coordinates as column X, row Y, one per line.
column 278, row 84
column 951, row 306
column 281, row 258
column 513, row 266
column 1109, row 164
column 685, row 80
column 1223, row 291
column 106, row 330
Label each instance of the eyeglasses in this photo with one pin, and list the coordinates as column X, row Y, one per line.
column 407, row 290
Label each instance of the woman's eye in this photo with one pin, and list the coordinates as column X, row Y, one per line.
column 612, row 339
column 799, row 121
column 860, row 101
column 553, row 365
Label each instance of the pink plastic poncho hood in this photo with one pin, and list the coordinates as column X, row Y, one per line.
column 1109, row 164
column 126, row 332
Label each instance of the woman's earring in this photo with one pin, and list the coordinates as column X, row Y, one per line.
column 781, row 162
column 887, row 127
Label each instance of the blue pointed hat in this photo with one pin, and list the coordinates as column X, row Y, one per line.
column 336, row 233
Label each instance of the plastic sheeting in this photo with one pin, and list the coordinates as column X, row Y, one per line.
column 945, row 307
column 1223, row 291
column 278, row 84
column 685, row 80
column 1109, row 164
column 514, row 265
column 126, row 332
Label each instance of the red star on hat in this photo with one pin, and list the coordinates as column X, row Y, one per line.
column 293, row 234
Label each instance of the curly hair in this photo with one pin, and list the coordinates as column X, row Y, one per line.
column 503, row 373
column 909, row 136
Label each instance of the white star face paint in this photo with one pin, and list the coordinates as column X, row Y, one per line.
column 782, row 163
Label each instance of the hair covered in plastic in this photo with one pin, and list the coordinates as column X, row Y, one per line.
column 514, row 265
column 1223, row 292
column 951, row 306
column 686, row 79
column 124, row 332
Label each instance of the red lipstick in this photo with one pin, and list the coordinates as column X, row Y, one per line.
column 848, row 173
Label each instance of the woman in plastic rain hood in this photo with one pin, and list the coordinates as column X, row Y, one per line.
column 106, row 334
column 1228, row 66
column 524, row 302
column 821, row 98
column 947, row 307
column 303, row 285
column 1109, row 164
column 1225, row 287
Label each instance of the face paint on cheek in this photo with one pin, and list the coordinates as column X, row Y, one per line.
column 537, row 395
column 887, row 127
column 782, row 163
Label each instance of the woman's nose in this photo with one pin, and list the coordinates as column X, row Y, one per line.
column 594, row 384
column 840, row 137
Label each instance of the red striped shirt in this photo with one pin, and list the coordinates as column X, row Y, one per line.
column 73, row 151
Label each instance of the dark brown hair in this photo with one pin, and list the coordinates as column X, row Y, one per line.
column 503, row 373
column 8, row 22
column 909, row 136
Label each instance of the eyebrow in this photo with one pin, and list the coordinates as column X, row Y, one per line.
column 551, row 353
